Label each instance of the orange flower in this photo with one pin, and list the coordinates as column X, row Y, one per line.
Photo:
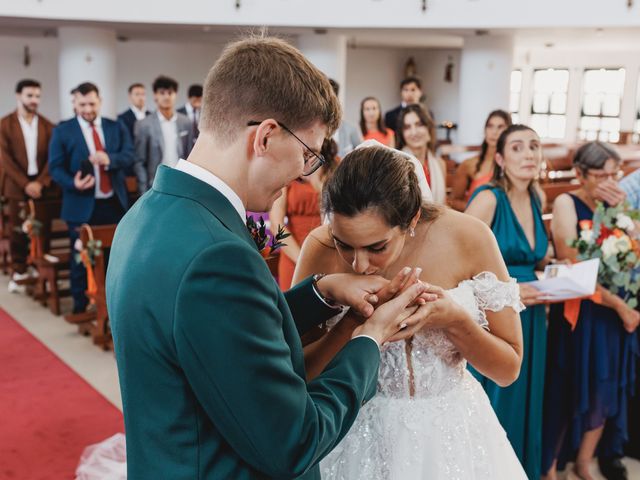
column 618, row 233
column 266, row 252
column 585, row 224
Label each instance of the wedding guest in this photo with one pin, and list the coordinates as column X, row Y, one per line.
column 136, row 110
column 163, row 137
column 372, row 125
column 300, row 204
column 416, row 135
column 87, row 158
column 24, row 145
column 477, row 171
column 512, row 206
column 410, row 93
column 347, row 136
column 208, row 348
column 590, row 368
column 192, row 108
column 631, row 186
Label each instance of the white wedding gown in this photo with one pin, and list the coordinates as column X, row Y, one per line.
column 447, row 429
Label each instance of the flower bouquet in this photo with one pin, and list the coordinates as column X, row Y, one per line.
column 612, row 236
column 258, row 231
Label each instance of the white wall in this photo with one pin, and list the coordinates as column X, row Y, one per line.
column 136, row 61
column 378, row 71
column 340, row 13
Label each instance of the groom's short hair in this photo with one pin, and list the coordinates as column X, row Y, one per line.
column 264, row 77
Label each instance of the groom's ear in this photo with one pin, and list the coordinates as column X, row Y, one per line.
column 263, row 135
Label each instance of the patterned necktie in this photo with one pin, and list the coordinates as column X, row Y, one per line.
column 105, row 179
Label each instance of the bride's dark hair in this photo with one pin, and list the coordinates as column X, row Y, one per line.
column 380, row 178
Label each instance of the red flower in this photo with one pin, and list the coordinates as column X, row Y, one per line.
column 604, row 233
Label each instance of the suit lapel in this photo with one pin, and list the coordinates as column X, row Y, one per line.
column 155, row 124
column 20, row 149
column 108, row 131
column 77, row 131
column 175, row 182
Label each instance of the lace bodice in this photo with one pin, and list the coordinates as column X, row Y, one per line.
column 429, row 364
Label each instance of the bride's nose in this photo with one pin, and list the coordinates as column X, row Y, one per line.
column 360, row 262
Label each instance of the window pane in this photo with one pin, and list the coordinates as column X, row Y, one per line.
column 591, row 104
column 562, row 80
column 559, row 103
column 590, row 124
column 541, row 103
column 611, row 105
column 539, row 124
column 610, row 124
column 557, row 125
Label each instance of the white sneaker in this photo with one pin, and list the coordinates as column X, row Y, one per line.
column 13, row 287
column 18, row 277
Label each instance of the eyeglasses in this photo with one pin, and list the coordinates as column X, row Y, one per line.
column 312, row 160
column 617, row 175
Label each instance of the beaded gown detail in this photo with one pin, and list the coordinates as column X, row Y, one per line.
column 430, row 418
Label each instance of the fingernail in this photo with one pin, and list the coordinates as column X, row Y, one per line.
column 406, row 271
column 403, row 325
column 373, row 299
column 418, row 272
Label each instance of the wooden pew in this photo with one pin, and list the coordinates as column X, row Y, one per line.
column 52, row 263
column 100, row 331
column 5, row 229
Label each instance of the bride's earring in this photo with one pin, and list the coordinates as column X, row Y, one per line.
column 412, row 232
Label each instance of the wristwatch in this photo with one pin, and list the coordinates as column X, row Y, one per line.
column 316, row 278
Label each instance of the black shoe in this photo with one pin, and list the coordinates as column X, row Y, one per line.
column 613, row 469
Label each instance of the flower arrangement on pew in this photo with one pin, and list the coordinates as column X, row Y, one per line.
column 613, row 237
column 258, row 231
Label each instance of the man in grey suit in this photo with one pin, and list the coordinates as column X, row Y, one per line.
column 163, row 137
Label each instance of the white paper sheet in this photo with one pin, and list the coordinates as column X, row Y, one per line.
column 564, row 282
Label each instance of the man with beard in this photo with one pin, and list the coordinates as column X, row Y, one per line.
column 87, row 158
column 24, row 143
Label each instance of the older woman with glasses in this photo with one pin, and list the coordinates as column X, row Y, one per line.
column 590, row 369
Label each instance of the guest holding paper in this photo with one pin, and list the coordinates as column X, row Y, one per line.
column 592, row 345
column 512, row 206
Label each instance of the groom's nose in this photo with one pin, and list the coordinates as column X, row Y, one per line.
column 360, row 262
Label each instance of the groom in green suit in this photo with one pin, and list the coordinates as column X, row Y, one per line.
column 208, row 349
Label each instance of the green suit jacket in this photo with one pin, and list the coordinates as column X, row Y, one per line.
column 208, row 349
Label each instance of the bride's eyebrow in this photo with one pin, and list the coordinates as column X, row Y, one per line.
column 377, row 244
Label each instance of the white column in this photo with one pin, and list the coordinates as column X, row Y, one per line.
column 485, row 73
column 87, row 55
column 328, row 52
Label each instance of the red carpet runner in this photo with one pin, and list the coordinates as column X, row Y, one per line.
column 48, row 414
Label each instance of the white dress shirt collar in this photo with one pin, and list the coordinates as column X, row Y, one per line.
column 84, row 124
column 165, row 119
column 30, row 135
column 216, row 182
column 140, row 114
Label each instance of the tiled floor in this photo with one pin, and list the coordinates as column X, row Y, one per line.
column 98, row 367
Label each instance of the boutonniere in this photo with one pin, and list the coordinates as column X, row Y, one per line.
column 267, row 245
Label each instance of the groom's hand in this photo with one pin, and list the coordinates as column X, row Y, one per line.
column 356, row 291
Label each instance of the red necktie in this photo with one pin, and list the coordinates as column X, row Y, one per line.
column 105, row 179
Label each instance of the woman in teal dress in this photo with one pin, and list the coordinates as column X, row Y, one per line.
column 512, row 207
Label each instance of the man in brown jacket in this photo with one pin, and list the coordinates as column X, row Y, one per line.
column 24, row 145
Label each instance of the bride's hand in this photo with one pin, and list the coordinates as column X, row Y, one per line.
column 440, row 312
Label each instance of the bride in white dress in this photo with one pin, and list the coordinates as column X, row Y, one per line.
column 430, row 418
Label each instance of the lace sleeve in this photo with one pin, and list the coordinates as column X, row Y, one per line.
column 333, row 321
column 495, row 295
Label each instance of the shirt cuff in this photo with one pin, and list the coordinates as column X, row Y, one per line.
column 367, row 336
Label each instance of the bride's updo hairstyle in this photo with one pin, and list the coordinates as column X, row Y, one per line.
column 376, row 178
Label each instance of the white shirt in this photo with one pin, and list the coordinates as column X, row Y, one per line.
column 87, row 131
column 170, row 135
column 30, row 134
column 191, row 112
column 216, row 182
column 140, row 114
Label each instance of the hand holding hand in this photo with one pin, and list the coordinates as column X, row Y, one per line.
column 390, row 318
column 83, row 183
column 33, row 189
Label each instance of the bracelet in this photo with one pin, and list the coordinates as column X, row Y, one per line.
column 316, row 278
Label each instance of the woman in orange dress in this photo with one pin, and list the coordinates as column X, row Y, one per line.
column 300, row 204
column 372, row 124
column 477, row 171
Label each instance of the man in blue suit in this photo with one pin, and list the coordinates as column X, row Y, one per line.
column 87, row 158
